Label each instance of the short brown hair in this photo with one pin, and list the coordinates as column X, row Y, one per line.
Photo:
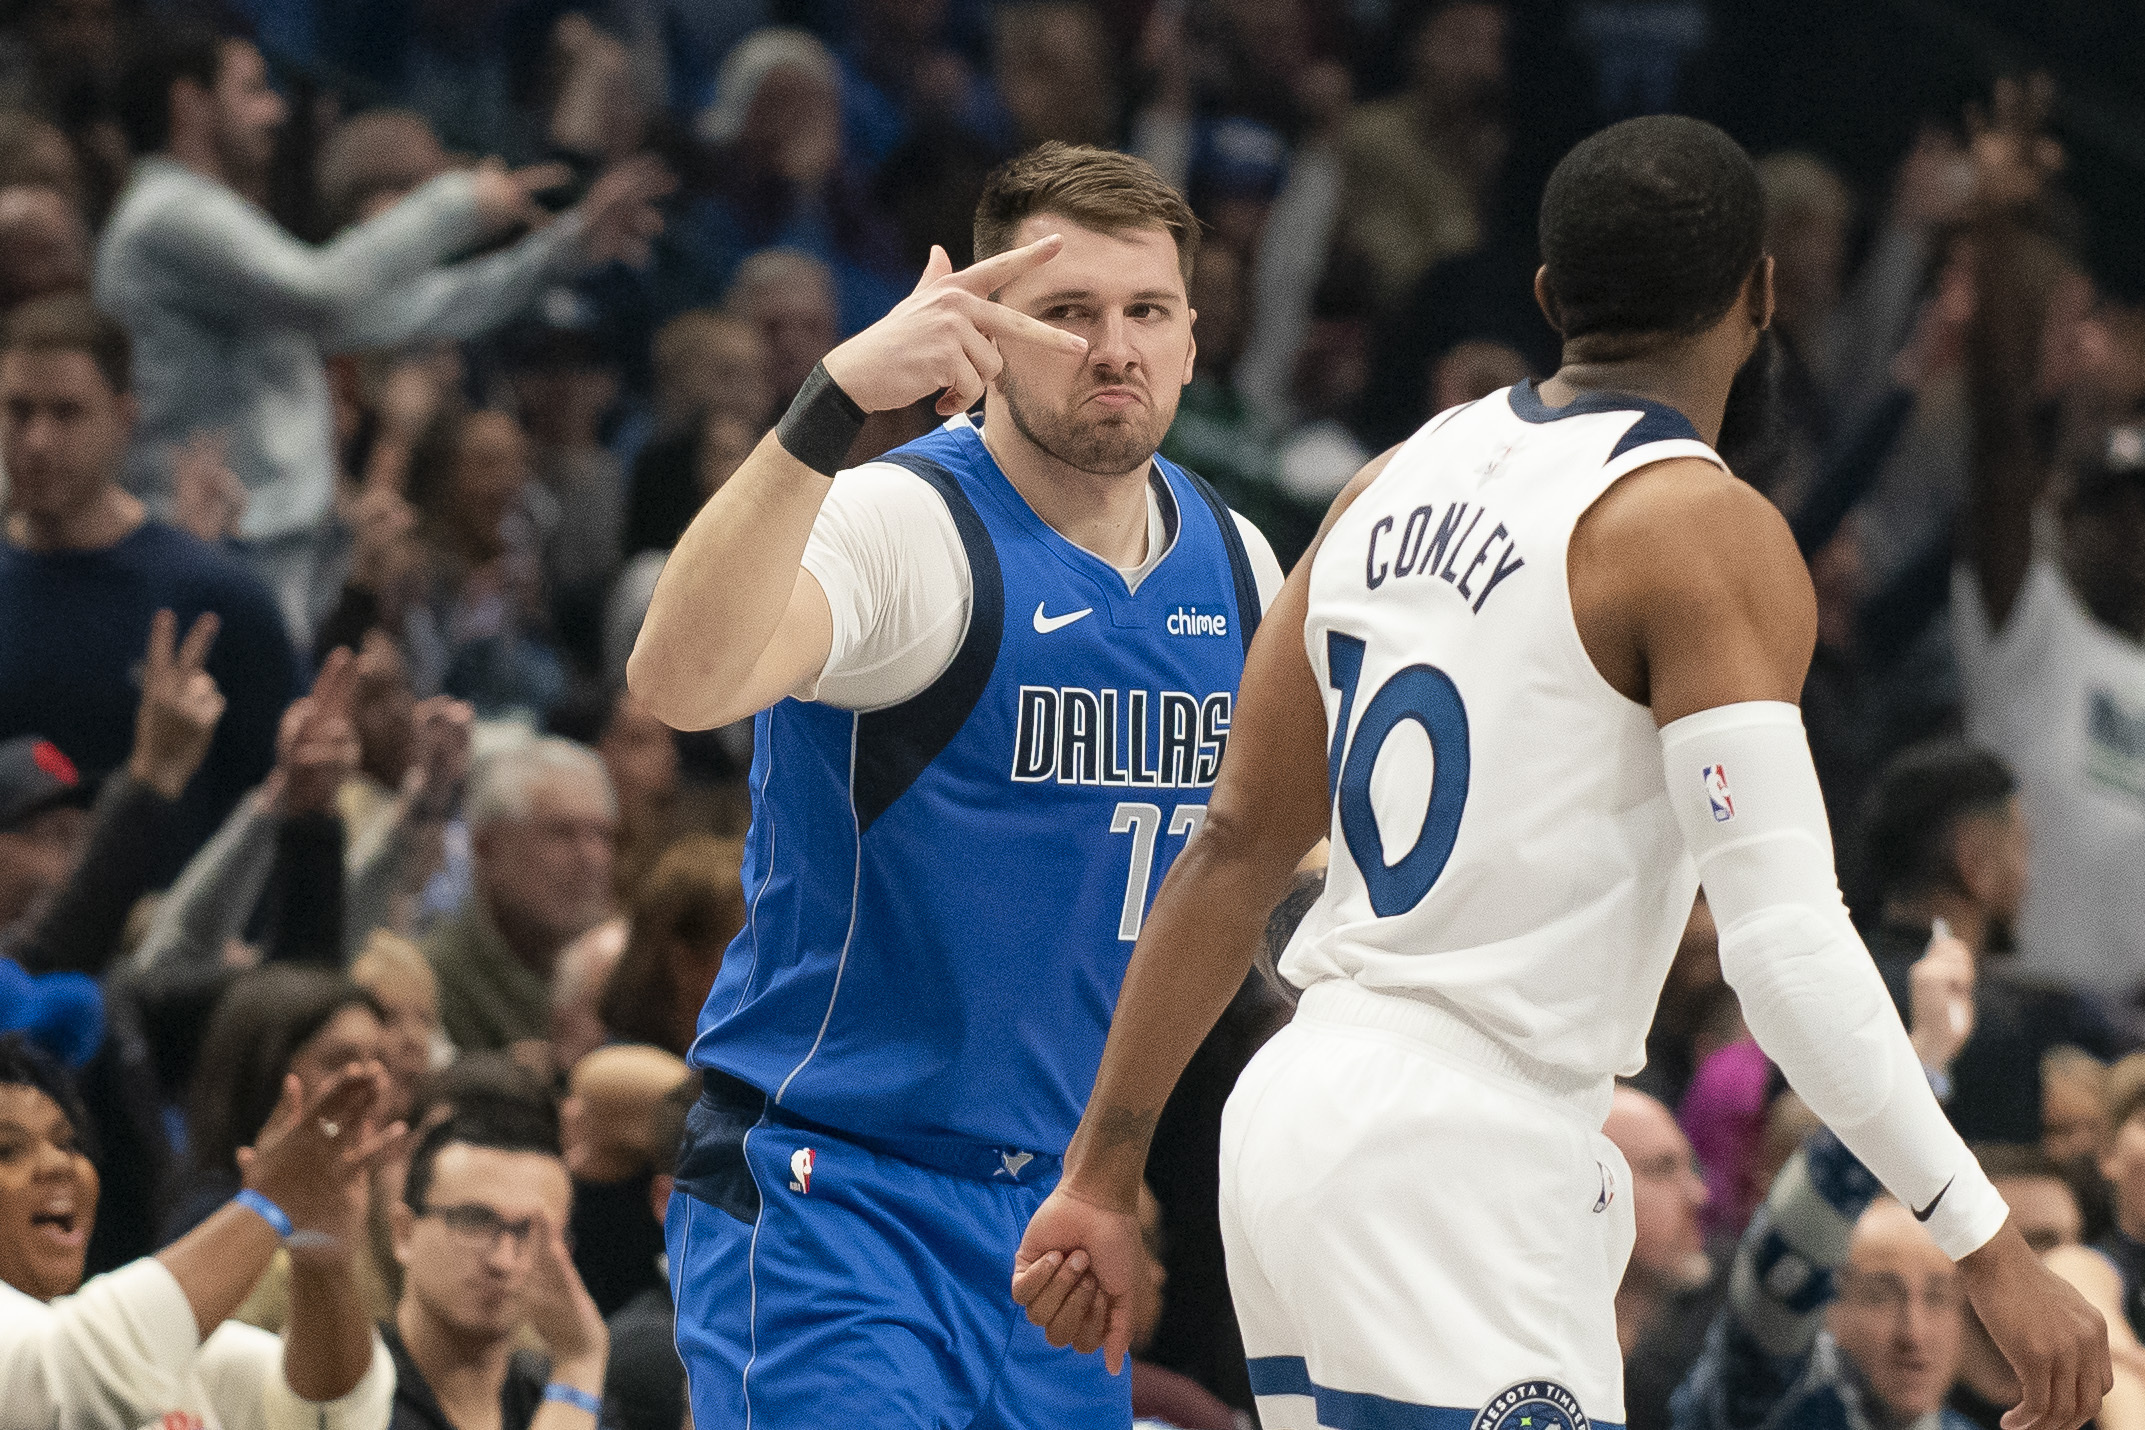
column 695, row 894
column 1099, row 189
column 70, row 323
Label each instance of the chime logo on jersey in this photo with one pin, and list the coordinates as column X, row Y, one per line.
column 1718, row 798
column 1195, row 622
column 800, row 1170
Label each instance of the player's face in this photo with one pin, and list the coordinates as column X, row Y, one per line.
column 1104, row 413
column 1900, row 1316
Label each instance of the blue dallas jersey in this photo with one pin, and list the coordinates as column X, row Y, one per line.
column 943, row 895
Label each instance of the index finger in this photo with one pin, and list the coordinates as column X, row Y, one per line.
column 2031, row 1412
column 539, row 177
column 993, row 273
column 337, row 681
column 157, row 660
column 199, row 637
column 998, row 322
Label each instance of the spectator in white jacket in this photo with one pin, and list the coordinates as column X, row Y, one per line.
column 149, row 1343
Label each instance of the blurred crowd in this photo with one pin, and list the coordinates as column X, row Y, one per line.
column 360, row 363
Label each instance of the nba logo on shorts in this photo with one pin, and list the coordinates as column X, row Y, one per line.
column 1717, row 796
column 800, row 1170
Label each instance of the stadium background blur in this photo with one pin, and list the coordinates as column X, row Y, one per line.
column 531, row 881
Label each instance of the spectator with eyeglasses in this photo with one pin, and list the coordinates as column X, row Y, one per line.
column 480, row 1236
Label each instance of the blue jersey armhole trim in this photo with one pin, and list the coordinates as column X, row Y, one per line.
column 895, row 744
column 1658, row 422
column 1248, row 609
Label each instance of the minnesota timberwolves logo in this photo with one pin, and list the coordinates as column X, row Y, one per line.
column 1532, row 1405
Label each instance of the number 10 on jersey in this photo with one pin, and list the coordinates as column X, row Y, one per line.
column 1426, row 695
column 1144, row 823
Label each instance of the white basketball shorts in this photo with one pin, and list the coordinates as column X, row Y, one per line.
column 1421, row 1235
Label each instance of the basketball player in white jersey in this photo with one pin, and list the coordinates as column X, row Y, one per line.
column 1537, row 680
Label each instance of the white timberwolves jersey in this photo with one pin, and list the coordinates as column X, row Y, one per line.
column 1503, row 846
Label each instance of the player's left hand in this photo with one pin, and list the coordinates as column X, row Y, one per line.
column 1076, row 1271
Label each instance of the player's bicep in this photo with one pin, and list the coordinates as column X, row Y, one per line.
column 1724, row 606
column 798, row 650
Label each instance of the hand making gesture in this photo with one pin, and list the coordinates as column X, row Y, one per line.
column 179, row 708
column 2013, row 155
column 316, row 745
column 943, row 338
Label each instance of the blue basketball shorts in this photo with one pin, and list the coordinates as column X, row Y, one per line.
column 820, row 1282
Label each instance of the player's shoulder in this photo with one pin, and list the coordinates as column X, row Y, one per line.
column 1685, row 496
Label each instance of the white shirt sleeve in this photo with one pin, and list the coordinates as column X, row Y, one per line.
column 886, row 552
column 1265, row 566
column 242, row 1366
column 116, row 1355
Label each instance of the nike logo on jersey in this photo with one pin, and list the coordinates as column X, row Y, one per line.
column 1924, row 1213
column 1044, row 625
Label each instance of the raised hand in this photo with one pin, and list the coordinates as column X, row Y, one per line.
column 313, row 1158
column 506, row 198
column 316, row 745
column 439, row 755
column 620, row 211
column 207, row 498
column 1941, row 998
column 944, row 337
column 1076, row 1272
column 561, row 1312
column 2013, row 155
column 180, row 705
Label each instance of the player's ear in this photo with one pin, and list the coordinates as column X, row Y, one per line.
column 1761, row 294
column 1545, row 299
column 1191, row 345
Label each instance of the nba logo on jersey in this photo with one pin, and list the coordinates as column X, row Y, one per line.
column 800, row 1170
column 1717, row 796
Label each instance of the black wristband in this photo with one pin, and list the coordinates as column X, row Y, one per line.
column 821, row 424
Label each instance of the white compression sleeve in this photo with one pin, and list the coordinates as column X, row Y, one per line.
column 1744, row 790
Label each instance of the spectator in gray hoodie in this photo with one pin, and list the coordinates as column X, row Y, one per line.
column 232, row 315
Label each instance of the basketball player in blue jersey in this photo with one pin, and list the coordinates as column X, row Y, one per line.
column 994, row 673
column 1536, row 682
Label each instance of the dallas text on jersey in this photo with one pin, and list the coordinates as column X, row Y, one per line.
column 1420, row 552
column 1139, row 738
